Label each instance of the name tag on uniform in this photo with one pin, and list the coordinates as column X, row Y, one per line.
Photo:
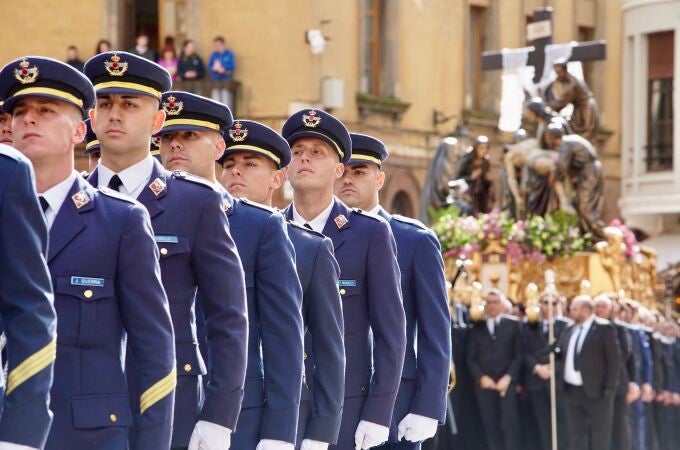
column 347, row 283
column 87, row 281
column 166, row 239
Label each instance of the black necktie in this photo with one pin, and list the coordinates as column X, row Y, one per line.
column 114, row 183
column 308, row 226
column 43, row 203
column 576, row 351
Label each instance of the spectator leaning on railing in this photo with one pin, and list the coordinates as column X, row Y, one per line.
column 191, row 65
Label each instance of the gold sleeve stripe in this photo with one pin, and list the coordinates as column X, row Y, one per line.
column 31, row 366
column 158, row 391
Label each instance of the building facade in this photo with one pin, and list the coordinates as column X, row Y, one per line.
column 406, row 71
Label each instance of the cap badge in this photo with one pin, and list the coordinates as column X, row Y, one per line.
column 311, row 120
column 340, row 221
column 80, row 199
column 238, row 133
column 157, row 186
column 25, row 73
column 172, row 107
column 115, row 67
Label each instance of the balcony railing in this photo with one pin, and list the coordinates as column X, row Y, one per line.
column 213, row 89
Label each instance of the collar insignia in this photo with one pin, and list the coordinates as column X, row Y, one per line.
column 157, row 186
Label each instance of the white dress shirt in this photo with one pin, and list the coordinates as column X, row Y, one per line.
column 55, row 197
column 134, row 178
column 571, row 375
column 375, row 210
column 492, row 323
column 319, row 222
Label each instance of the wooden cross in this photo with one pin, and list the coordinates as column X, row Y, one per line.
column 539, row 34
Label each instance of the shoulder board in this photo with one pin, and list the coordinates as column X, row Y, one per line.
column 410, row 221
column 182, row 175
column 269, row 209
column 298, row 225
column 117, row 195
column 367, row 214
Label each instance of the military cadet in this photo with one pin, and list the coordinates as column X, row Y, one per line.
column 375, row 328
column 107, row 290
column 5, row 127
column 196, row 249
column 254, row 163
column 26, row 309
column 421, row 401
column 92, row 148
column 192, row 141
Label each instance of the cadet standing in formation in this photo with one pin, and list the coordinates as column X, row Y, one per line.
column 192, row 141
column 421, row 402
column 254, row 163
column 196, row 249
column 375, row 326
column 130, row 369
column 105, row 288
column 26, row 308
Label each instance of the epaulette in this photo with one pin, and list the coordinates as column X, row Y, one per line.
column 117, row 195
column 367, row 214
column 302, row 227
column 182, row 175
column 269, row 209
column 414, row 222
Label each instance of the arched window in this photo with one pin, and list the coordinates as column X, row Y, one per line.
column 402, row 204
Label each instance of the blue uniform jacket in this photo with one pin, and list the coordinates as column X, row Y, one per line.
column 104, row 267
column 324, row 389
column 275, row 347
column 196, row 250
column 425, row 377
column 375, row 329
column 26, row 307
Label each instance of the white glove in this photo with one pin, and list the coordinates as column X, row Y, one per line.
column 311, row 444
column 209, row 436
column 370, row 434
column 271, row 444
column 9, row 446
column 416, row 428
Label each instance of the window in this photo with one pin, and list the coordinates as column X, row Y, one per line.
column 586, row 34
column 476, row 48
column 659, row 146
column 379, row 60
column 401, row 204
column 372, row 46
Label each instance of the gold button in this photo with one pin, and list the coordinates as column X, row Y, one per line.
column 187, row 367
column 164, row 251
column 113, row 418
column 343, row 292
column 88, row 293
column 305, row 356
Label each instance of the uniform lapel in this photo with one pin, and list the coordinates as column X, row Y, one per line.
column 335, row 226
column 155, row 190
column 69, row 223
